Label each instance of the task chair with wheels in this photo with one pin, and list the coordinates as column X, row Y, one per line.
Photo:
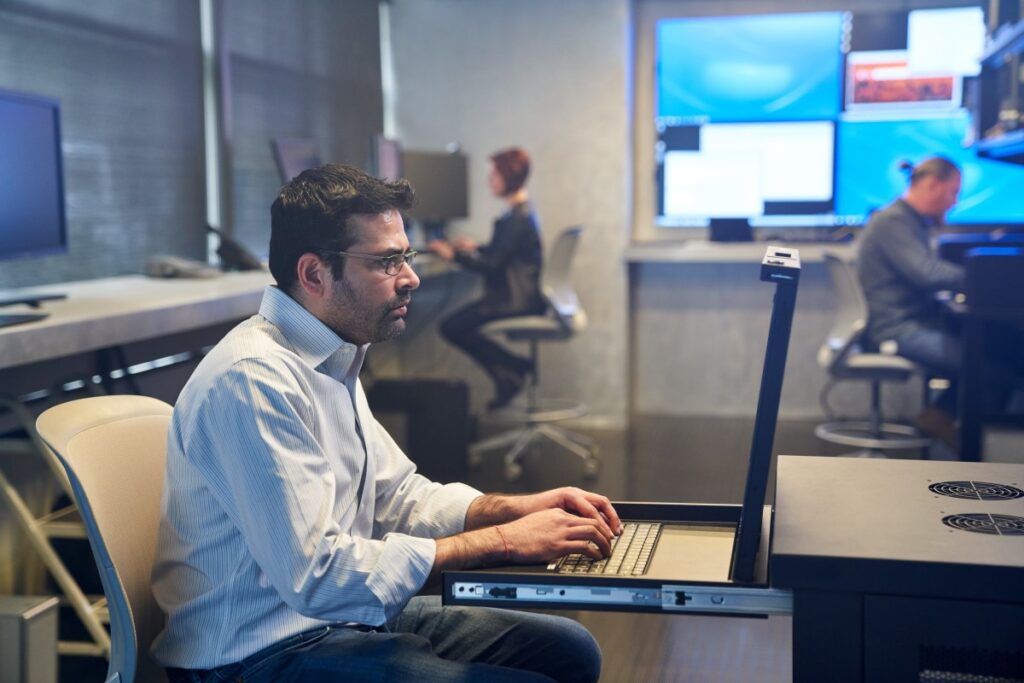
column 113, row 449
column 536, row 416
column 844, row 359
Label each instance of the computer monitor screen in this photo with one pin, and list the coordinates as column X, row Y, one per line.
column 746, row 115
column 780, row 67
column 802, row 120
column 870, row 152
column 32, row 220
column 765, row 172
column 440, row 181
column 294, row 155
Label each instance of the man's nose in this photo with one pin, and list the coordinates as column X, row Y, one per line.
column 407, row 277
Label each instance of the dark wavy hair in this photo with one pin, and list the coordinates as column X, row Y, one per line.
column 513, row 165
column 312, row 215
column 942, row 168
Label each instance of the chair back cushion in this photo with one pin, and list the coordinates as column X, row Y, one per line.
column 114, row 449
column 557, row 285
column 851, row 314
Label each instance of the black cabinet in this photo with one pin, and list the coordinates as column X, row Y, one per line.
column 901, row 570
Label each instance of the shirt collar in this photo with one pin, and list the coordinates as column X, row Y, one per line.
column 924, row 221
column 313, row 341
column 522, row 208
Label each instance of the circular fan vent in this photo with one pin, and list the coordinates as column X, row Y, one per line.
column 981, row 523
column 976, row 490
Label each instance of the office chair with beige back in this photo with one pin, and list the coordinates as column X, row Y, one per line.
column 563, row 319
column 844, row 359
column 114, row 448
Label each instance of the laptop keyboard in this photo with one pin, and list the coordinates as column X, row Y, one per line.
column 631, row 553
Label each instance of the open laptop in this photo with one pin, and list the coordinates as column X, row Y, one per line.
column 681, row 557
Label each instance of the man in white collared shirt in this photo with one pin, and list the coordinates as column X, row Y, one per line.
column 295, row 533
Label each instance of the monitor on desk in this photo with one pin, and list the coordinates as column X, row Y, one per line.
column 32, row 219
column 294, row 155
column 440, row 179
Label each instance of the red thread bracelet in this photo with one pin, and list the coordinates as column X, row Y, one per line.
column 504, row 542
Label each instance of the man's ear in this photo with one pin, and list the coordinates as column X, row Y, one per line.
column 314, row 276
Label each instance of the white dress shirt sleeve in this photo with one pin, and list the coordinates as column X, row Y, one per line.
column 256, row 431
column 407, row 502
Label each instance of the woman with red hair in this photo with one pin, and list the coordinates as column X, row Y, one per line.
column 511, row 266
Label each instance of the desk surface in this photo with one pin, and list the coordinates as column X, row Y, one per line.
column 696, row 251
column 120, row 310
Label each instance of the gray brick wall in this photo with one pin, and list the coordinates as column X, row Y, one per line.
column 128, row 77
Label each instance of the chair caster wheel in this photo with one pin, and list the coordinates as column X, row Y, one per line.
column 590, row 468
column 476, row 459
column 513, row 471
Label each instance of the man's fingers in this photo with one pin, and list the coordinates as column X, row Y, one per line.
column 592, row 535
column 584, row 548
column 599, row 526
column 604, row 506
column 587, row 510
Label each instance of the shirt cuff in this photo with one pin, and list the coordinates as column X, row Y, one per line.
column 451, row 515
column 402, row 568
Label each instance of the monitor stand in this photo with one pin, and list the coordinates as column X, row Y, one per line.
column 32, row 300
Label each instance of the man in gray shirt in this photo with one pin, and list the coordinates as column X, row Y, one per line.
column 900, row 274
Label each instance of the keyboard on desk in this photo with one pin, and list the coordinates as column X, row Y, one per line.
column 631, row 553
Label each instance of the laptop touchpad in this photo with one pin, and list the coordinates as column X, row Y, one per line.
column 695, row 552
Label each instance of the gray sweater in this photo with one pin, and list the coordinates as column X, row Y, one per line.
column 900, row 273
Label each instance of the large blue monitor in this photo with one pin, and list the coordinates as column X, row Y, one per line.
column 781, row 67
column 869, row 155
column 802, row 119
column 31, row 176
column 746, row 115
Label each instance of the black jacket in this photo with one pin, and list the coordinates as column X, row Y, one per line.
column 511, row 264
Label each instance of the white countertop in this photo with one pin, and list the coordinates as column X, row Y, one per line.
column 120, row 310
column 697, row 251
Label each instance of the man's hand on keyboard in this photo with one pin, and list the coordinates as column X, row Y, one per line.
column 578, row 502
column 545, row 535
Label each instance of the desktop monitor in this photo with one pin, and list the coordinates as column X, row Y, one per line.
column 294, row 155
column 781, row 67
column 440, row 180
column 746, row 110
column 32, row 220
column 774, row 173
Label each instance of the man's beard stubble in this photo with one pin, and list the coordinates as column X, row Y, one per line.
column 359, row 324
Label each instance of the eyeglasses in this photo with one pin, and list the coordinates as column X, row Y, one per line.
column 391, row 264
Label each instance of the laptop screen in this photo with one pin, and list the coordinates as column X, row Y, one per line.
column 780, row 266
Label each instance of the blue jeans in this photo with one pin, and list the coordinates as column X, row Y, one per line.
column 426, row 642
column 939, row 352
